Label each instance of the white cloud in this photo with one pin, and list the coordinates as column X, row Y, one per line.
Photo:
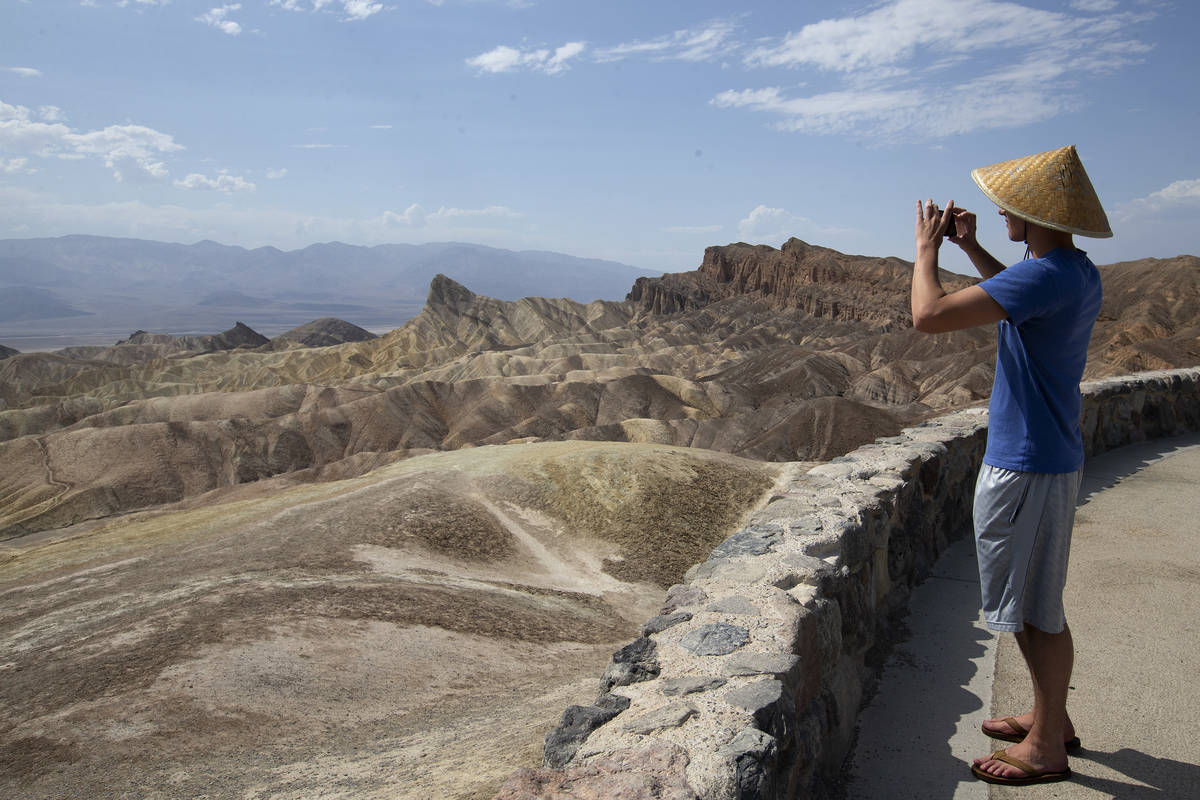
column 777, row 225
column 218, row 18
column 1179, row 196
column 508, row 59
column 894, row 31
column 1187, row 191
column 413, row 217
column 774, row 226
column 15, row 165
column 381, row 127
column 1095, row 6
column 321, row 146
column 351, row 9
column 115, row 145
column 899, row 62
column 416, row 217
column 51, row 114
column 705, row 43
column 25, row 72
column 276, row 174
column 224, row 182
column 360, row 9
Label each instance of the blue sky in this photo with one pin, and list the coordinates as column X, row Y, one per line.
column 636, row 131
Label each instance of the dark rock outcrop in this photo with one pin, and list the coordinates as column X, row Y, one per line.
column 326, row 332
column 5, row 352
column 817, row 280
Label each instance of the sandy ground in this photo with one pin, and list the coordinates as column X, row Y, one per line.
column 412, row 633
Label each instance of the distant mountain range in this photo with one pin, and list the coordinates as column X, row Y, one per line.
column 212, row 274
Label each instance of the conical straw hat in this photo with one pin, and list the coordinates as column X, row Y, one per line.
column 1050, row 189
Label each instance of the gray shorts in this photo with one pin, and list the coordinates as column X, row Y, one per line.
column 1023, row 526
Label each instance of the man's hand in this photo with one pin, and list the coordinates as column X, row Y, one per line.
column 962, row 229
column 933, row 310
column 932, row 224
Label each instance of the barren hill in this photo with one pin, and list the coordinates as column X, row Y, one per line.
column 408, row 634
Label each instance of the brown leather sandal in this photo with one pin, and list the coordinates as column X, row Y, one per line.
column 1031, row 776
column 1019, row 733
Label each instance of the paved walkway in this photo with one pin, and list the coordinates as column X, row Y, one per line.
column 1133, row 599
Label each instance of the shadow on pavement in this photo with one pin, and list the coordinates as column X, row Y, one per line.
column 1108, row 469
column 1149, row 776
column 907, row 745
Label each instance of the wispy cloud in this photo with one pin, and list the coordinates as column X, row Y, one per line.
column 219, row 19
column 15, row 165
column 416, row 217
column 360, row 9
column 511, row 59
column 24, row 72
column 321, row 146
column 1181, row 195
column 352, row 10
column 381, row 127
column 713, row 40
column 115, row 145
column 223, row 182
column 276, row 174
column 897, row 61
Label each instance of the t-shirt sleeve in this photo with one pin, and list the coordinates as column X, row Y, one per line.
column 1025, row 290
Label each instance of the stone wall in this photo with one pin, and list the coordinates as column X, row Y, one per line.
column 749, row 682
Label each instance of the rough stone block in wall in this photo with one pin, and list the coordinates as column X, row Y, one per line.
column 747, row 684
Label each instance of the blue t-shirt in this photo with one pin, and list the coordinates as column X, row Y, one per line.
column 1033, row 416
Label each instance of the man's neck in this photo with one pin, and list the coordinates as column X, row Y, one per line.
column 1042, row 240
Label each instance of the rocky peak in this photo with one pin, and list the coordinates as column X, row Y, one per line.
column 444, row 291
column 240, row 335
column 327, row 331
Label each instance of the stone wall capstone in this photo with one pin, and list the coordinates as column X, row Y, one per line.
column 748, row 684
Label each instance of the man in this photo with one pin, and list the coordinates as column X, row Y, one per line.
column 1025, row 495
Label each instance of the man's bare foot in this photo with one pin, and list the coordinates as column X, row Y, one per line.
column 1004, row 730
column 1041, row 761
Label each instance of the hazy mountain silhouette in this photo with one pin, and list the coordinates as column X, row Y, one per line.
column 19, row 303
column 331, row 272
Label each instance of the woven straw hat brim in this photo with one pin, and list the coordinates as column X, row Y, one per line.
column 1050, row 189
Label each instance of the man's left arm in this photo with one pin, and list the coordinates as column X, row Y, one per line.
column 933, row 310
